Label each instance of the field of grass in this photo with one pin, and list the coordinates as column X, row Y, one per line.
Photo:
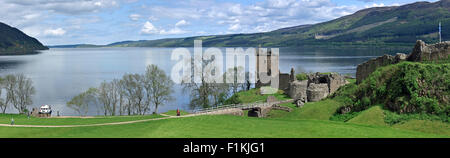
column 371, row 116
column 218, row 126
column 253, row 95
column 23, row 119
column 322, row 110
column 425, row 126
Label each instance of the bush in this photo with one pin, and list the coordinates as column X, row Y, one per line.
column 392, row 118
column 301, row 76
column 344, row 117
column 407, row 88
column 234, row 99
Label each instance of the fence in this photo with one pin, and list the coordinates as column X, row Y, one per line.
column 240, row 106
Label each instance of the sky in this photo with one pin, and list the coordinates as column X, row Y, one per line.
column 60, row 22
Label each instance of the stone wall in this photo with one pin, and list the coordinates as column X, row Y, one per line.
column 298, row 89
column 317, row 92
column 284, row 82
column 365, row 69
column 421, row 52
column 317, row 87
column 425, row 52
column 259, row 111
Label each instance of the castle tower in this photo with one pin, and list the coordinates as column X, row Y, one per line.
column 267, row 61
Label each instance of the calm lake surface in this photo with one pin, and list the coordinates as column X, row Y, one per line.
column 59, row 74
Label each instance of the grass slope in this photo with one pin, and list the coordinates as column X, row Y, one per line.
column 322, row 110
column 219, row 126
column 371, row 116
column 426, row 126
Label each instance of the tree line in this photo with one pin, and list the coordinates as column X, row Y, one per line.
column 134, row 94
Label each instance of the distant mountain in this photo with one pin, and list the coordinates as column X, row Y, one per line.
column 13, row 41
column 397, row 25
column 76, row 46
column 383, row 26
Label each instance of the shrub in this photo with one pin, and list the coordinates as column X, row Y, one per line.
column 405, row 88
column 301, row 76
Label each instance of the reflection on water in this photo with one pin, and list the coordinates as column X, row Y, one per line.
column 61, row 73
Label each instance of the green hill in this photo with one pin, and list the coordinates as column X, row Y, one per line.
column 13, row 41
column 397, row 25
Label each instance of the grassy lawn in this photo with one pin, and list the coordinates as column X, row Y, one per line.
column 23, row 119
column 322, row 110
column 253, row 95
column 426, row 126
column 219, row 126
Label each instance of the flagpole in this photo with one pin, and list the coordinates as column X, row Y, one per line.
column 440, row 34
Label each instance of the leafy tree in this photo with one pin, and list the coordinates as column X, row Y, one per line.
column 158, row 86
column 83, row 101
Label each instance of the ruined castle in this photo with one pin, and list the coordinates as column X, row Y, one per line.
column 421, row 52
column 315, row 88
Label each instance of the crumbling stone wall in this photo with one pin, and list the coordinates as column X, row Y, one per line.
column 421, row 52
column 298, row 89
column 425, row 52
column 317, row 92
column 317, row 87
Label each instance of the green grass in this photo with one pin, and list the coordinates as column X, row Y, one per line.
column 23, row 119
column 425, row 126
column 218, row 126
column 321, row 110
column 371, row 116
column 352, row 80
column 253, row 95
column 174, row 113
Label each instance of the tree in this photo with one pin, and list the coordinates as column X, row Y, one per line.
column 9, row 83
column 134, row 93
column 19, row 92
column 81, row 102
column 158, row 86
column 235, row 77
column 3, row 105
column 104, row 93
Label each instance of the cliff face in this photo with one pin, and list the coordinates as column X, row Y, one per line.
column 422, row 52
column 13, row 41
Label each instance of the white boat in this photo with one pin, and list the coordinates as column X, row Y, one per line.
column 46, row 109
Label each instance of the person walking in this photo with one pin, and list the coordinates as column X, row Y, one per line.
column 12, row 121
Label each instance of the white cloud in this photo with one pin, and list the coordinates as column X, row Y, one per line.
column 375, row 5
column 54, row 32
column 181, row 23
column 234, row 27
column 134, row 17
column 173, row 31
column 149, row 28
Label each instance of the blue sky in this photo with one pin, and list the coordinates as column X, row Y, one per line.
column 56, row 22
